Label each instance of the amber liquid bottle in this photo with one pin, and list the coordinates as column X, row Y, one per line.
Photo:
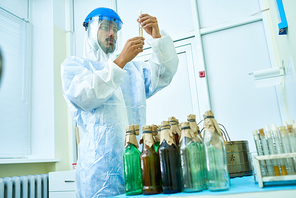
column 169, row 162
column 151, row 174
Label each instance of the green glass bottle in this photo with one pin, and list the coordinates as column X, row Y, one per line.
column 133, row 184
column 193, row 126
column 191, row 163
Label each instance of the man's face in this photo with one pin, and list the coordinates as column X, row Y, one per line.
column 107, row 36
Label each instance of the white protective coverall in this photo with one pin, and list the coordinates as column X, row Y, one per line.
column 103, row 99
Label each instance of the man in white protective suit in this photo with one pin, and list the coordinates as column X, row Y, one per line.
column 106, row 93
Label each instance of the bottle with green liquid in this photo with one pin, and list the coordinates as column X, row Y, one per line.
column 191, row 160
column 132, row 163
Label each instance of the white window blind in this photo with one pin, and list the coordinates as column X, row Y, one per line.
column 14, row 86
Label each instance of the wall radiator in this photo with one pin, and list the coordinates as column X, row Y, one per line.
column 30, row 186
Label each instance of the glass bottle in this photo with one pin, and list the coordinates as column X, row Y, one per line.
column 169, row 161
column 155, row 133
column 131, row 162
column 191, row 160
column 217, row 169
column 270, row 170
column 151, row 174
column 260, row 152
column 193, row 125
column 287, row 149
column 175, row 129
column 270, row 143
column 279, row 149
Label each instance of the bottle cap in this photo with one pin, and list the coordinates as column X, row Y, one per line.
column 290, row 128
column 283, row 130
column 274, row 127
column 266, row 128
column 285, row 124
column 261, row 132
column 268, row 134
column 146, row 129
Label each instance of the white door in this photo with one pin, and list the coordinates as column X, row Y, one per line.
column 180, row 98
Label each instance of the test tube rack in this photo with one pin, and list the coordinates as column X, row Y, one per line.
column 262, row 179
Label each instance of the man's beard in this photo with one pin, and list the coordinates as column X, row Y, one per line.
column 108, row 47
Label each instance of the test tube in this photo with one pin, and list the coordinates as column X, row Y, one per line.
column 259, row 151
column 287, row 149
column 279, row 149
column 266, row 152
column 140, row 27
column 292, row 139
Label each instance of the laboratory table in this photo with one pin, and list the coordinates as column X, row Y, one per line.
column 242, row 187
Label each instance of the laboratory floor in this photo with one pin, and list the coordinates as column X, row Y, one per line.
column 242, row 187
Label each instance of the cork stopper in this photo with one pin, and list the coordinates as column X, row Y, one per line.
column 154, row 129
column 174, row 125
column 131, row 132
column 166, row 133
column 191, row 118
column 261, row 132
column 147, row 137
column 283, row 130
column 186, row 131
column 290, row 128
column 136, row 128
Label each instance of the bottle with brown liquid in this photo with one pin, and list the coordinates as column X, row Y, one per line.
column 151, row 174
column 169, row 161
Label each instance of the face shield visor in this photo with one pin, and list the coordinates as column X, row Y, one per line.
column 101, row 38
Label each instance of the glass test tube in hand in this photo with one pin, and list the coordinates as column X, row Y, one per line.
column 140, row 27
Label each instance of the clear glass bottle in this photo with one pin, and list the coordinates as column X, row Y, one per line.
column 155, row 133
column 260, row 152
column 270, row 170
column 131, row 162
column 191, row 160
column 151, row 174
column 270, row 143
column 279, row 149
column 169, row 161
column 217, row 169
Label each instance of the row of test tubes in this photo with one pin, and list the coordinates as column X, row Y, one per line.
column 278, row 140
